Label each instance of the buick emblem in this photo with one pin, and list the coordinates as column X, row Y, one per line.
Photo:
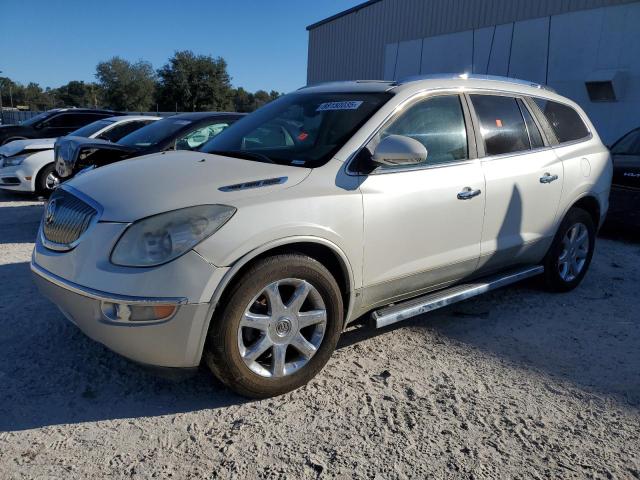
column 50, row 212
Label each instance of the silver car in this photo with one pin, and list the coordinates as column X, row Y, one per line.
column 340, row 200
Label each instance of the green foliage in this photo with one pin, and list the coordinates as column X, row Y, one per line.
column 244, row 101
column 125, row 85
column 79, row 94
column 186, row 83
column 190, row 82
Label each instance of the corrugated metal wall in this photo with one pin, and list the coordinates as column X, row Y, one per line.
column 353, row 46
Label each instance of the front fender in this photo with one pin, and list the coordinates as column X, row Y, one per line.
column 237, row 265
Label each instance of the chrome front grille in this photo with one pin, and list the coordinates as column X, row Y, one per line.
column 66, row 218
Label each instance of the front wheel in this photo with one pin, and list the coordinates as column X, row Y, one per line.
column 279, row 326
column 47, row 180
column 570, row 254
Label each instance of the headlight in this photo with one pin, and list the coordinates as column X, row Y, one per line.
column 13, row 161
column 164, row 237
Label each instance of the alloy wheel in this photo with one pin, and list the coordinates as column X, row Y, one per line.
column 282, row 328
column 575, row 249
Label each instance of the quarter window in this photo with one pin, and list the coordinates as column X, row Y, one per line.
column 565, row 121
column 501, row 124
column 438, row 123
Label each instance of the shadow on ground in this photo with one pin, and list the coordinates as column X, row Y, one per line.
column 586, row 339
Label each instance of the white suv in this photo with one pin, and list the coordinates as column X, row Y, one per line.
column 329, row 203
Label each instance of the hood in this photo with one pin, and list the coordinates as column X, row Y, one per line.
column 67, row 152
column 19, row 146
column 144, row 186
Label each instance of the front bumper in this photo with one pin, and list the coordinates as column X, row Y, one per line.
column 176, row 342
column 16, row 178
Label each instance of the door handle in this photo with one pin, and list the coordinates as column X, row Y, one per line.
column 468, row 193
column 548, row 178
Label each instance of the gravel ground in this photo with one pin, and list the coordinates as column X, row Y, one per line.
column 518, row 383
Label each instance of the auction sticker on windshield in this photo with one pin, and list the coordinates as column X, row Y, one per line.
column 348, row 105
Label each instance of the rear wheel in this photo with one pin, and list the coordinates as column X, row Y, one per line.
column 570, row 255
column 279, row 325
column 47, row 180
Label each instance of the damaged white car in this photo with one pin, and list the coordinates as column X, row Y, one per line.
column 28, row 165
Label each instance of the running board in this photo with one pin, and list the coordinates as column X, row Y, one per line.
column 432, row 301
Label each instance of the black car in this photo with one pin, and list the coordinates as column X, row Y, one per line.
column 187, row 131
column 52, row 123
column 624, row 202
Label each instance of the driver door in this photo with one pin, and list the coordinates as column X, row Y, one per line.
column 421, row 232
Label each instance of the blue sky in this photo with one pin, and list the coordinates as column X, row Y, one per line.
column 263, row 41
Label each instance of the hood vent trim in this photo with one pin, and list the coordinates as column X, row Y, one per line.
column 267, row 182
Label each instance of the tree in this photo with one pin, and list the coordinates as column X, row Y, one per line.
column 125, row 85
column 190, row 82
column 244, row 101
column 78, row 94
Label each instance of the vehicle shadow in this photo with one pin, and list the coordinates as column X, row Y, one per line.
column 9, row 196
column 50, row 373
column 588, row 337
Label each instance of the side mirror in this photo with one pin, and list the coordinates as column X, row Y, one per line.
column 397, row 150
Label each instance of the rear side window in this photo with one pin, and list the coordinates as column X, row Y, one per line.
column 73, row 120
column 119, row 131
column 501, row 124
column 564, row 120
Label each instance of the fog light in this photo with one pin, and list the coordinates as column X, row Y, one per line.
column 121, row 312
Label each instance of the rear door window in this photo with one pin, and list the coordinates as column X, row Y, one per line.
column 116, row 133
column 501, row 124
column 564, row 120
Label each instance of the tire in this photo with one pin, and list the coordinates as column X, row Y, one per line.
column 564, row 276
column 42, row 184
column 230, row 347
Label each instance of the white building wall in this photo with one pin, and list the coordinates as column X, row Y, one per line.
column 562, row 51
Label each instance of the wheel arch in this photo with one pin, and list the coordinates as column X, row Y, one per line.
column 326, row 252
column 13, row 139
column 590, row 204
column 38, row 172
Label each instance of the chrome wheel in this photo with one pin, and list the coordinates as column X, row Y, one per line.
column 52, row 181
column 282, row 328
column 575, row 249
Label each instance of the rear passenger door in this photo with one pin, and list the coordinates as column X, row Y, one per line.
column 523, row 178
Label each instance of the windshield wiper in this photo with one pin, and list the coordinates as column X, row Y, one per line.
column 259, row 157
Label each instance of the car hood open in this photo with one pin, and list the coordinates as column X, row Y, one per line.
column 18, row 146
column 151, row 184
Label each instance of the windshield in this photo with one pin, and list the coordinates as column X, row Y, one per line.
column 90, row 129
column 304, row 129
column 154, row 133
column 628, row 145
column 37, row 118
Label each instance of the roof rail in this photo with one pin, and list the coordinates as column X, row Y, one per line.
column 474, row 76
column 342, row 82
